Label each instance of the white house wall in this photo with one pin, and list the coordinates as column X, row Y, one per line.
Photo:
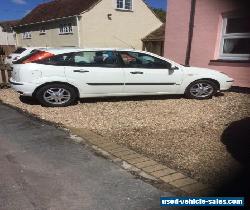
column 52, row 38
column 6, row 38
column 124, row 30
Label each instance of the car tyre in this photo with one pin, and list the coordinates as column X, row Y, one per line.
column 201, row 89
column 56, row 95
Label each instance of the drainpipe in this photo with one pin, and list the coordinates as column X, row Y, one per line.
column 78, row 30
column 190, row 32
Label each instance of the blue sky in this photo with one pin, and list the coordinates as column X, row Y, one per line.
column 15, row 9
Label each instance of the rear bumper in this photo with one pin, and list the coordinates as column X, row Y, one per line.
column 8, row 62
column 23, row 88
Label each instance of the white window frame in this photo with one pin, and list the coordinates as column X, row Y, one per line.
column 42, row 31
column 65, row 28
column 228, row 56
column 123, row 5
column 27, row 35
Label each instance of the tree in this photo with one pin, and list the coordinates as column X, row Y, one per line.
column 161, row 14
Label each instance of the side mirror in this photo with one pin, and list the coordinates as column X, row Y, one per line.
column 173, row 68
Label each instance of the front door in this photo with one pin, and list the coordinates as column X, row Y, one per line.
column 146, row 74
column 95, row 72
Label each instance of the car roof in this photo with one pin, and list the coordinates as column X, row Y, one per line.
column 28, row 48
column 69, row 50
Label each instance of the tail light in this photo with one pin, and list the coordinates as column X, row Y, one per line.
column 33, row 57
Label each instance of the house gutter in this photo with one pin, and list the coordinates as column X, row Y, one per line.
column 45, row 21
column 190, row 32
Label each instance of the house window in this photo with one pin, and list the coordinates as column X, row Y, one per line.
column 235, row 43
column 66, row 29
column 42, row 31
column 27, row 35
column 124, row 4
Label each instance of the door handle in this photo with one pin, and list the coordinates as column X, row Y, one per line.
column 136, row 72
column 81, row 71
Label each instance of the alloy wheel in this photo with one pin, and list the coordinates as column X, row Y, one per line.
column 57, row 96
column 201, row 90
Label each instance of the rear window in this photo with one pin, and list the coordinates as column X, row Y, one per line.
column 58, row 60
column 20, row 61
column 19, row 50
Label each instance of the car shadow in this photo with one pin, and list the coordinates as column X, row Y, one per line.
column 128, row 98
column 234, row 89
column 32, row 101
column 237, row 89
column 28, row 100
column 219, row 94
column 236, row 138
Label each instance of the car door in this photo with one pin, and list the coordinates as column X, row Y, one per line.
column 95, row 72
column 146, row 74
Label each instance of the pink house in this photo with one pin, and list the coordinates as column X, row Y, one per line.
column 212, row 34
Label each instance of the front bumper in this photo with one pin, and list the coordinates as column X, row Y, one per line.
column 23, row 88
column 226, row 85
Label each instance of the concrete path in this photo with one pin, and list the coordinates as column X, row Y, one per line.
column 42, row 168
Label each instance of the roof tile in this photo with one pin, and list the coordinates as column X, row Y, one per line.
column 156, row 35
column 57, row 9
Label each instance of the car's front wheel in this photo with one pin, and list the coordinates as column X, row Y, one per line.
column 56, row 95
column 201, row 89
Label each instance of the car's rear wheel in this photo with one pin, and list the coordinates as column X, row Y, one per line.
column 56, row 95
column 201, row 89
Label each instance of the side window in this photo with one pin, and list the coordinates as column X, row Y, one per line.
column 141, row 60
column 87, row 58
column 95, row 59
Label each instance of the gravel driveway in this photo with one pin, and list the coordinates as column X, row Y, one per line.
column 184, row 134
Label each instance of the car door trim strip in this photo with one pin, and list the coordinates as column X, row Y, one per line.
column 157, row 83
column 113, row 84
column 104, row 84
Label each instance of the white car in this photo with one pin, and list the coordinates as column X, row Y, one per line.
column 57, row 77
column 19, row 53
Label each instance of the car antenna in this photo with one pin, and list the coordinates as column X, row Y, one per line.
column 124, row 42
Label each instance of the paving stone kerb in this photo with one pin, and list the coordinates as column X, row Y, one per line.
column 144, row 164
